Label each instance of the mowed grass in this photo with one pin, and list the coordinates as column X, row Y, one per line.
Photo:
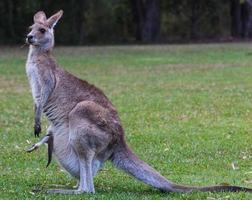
column 186, row 110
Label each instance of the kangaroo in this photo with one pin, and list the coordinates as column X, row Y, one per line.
column 85, row 129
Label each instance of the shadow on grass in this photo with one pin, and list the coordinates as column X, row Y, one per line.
column 117, row 190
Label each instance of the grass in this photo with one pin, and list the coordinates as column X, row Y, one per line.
column 186, row 110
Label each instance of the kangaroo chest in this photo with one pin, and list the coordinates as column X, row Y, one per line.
column 33, row 76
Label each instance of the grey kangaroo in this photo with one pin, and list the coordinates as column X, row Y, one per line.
column 85, row 129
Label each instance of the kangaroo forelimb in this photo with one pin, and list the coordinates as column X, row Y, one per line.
column 37, row 124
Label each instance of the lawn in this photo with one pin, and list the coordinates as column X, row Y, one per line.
column 186, row 110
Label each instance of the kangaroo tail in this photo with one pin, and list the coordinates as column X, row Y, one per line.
column 124, row 159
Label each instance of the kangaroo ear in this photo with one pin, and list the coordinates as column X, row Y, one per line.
column 39, row 17
column 52, row 21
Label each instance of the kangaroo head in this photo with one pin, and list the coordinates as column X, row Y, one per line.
column 41, row 34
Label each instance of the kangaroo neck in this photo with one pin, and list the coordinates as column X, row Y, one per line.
column 35, row 52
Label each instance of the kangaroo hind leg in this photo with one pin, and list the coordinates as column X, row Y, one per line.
column 87, row 140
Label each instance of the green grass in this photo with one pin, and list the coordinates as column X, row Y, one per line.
column 186, row 110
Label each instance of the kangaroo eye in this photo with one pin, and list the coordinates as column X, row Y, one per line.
column 42, row 30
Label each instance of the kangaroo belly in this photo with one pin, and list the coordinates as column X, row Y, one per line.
column 64, row 153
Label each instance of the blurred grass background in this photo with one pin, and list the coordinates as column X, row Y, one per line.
column 186, row 110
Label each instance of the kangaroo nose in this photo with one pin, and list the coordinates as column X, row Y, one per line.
column 29, row 38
